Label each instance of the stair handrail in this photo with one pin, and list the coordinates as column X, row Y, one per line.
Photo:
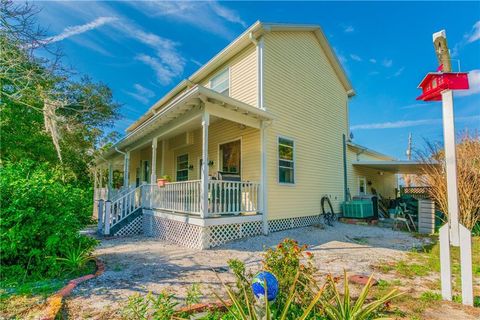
column 119, row 209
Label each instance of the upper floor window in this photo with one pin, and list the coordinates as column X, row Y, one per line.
column 221, row 82
column 286, row 161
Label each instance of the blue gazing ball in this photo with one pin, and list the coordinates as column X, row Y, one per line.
column 265, row 279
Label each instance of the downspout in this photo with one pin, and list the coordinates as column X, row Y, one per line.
column 345, row 183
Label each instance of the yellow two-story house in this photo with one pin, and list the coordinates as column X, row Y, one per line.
column 247, row 145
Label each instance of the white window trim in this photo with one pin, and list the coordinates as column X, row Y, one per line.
column 228, row 69
column 277, row 165
column 241, row 154
column 176, row 164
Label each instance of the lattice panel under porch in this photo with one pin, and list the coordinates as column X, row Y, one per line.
column 290, row 223
column 133, row 228
column 218, row 235
column 185, row 234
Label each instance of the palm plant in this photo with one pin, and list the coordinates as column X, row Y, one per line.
column 75, row 258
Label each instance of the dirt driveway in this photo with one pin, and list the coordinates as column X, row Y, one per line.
column 139, row 264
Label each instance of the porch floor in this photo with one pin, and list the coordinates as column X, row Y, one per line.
column 140, row 264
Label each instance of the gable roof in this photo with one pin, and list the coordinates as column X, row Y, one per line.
column 254, row 32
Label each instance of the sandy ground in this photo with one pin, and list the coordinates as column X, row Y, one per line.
column 139, row 264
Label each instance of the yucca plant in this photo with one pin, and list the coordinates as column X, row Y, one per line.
column 343, row 308
column 75, row 258
column 260, row 309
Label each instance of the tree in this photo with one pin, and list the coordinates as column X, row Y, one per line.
column 40, row 98
column 468, row 178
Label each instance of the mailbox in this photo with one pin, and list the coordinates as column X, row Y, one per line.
column 436, row 82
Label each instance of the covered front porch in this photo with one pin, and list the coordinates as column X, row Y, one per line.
column 172, row 145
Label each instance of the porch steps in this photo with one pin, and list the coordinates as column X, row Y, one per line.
column 125, row 222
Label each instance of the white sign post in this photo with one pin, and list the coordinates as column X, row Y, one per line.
column 453, row 233
column 439, row 86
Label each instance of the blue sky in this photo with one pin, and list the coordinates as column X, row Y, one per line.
column 143, row 49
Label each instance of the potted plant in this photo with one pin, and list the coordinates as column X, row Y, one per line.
column 161, row 182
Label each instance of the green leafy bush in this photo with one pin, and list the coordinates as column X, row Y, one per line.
column 41, row 214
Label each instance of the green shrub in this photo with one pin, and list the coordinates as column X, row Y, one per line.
column 285, row 261
column 41, row 214
column 160, row 307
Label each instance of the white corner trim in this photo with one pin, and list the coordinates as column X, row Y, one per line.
column 260, row 74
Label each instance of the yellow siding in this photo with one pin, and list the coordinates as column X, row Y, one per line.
column 220, row 131
column 243, row 76
column 384, row 184
column 310, row 106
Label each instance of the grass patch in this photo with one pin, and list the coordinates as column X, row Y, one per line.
column 429, row 296
column 18, row 298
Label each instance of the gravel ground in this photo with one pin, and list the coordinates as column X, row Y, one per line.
column 140, row 264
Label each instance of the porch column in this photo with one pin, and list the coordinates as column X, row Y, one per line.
column 153, row 175
column 110, row 179
column 162, row 167
column 204, row 178
column 263, row 177
column 126, row 165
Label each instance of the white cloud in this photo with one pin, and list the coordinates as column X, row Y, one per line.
column 74, row 30
column 475, row 33
column 373, row 60
column 469, row 37
column 348, row 29
column 164, row 72
column 167, row 62
column 210, row 16
column 198, row 63
column 355, row 57
column 474, row 83
column 408, row 123
column 387, row 63
column 141, row 93
column 227, row 13
column 398, row 73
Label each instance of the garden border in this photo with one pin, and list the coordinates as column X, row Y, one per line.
column 55, row 302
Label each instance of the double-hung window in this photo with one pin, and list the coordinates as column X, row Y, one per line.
column 286, row 161
column 221, row 82
column 182, row 167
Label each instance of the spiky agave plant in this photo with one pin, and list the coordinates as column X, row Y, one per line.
column 248, row 309
column 343, row 308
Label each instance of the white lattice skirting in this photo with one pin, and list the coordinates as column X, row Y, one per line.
column 203, row 237
column 290, row 223
column 197, row 237
column 133, row 228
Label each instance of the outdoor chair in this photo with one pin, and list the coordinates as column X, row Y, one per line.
column 403, row 216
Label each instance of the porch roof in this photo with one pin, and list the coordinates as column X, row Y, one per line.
column 186, row 108
column 394, row 166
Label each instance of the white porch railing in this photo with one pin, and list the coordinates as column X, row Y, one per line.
column 232, row 197
column 224, row 197
column 183, row 197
